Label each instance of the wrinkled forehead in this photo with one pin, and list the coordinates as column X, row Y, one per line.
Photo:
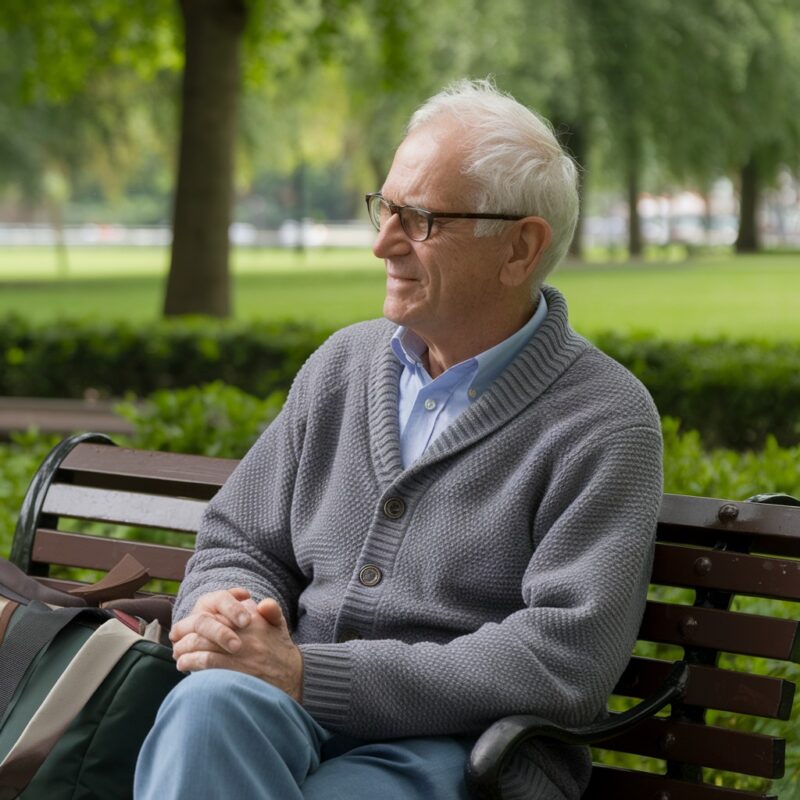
column 428, row 168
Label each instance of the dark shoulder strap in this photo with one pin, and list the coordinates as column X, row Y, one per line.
column 17, row 586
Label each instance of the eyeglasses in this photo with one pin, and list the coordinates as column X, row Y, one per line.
column 416, row 222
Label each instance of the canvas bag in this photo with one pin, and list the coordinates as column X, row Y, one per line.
column 79, row 686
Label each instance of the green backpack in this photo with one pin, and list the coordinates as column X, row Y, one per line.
column 79, row 691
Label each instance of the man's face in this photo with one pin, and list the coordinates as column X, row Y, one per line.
column 445, row 284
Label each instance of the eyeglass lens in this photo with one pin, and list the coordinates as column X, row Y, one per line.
column 414, row 223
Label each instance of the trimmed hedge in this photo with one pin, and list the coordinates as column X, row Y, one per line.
column 69, row 358
column 735, row 393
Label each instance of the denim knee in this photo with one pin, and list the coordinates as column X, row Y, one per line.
column 216, row 691
column 216, row 697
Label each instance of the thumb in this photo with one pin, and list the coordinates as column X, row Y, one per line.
column 271, row 612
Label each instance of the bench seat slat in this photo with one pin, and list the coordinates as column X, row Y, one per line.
column 623, row 784
column 124, row 508
column 711, row 687
column 95, row 552
column 730, row 572
column 728, row 631
column 704, row 745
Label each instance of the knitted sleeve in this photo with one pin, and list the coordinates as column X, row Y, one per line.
column 559, row 657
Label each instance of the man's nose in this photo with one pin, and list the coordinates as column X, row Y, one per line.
column 392, row 239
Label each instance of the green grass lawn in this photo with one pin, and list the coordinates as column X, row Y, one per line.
column 737, row 296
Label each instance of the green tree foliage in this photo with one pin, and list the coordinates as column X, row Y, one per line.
column 702, row 89
column 107, row 37
column 75, row 117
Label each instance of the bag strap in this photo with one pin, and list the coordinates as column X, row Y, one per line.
column 91, row 664
column 22, row 588
column 37, row 626
column 122, row 580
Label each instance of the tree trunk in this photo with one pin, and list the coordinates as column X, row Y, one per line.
column 575, row 141
column 748, row 240
column 634, row 224
column 199, row 281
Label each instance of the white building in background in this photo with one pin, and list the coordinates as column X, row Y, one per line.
column 684, row 217
column 687, row 217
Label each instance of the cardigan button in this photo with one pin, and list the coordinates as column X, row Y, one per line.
column 370, row 575
column 394, row 507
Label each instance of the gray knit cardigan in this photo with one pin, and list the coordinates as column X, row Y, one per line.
column 506, row 568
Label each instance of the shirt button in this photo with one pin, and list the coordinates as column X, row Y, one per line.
column 473, row 393
column 370, row 575
column 348, row 635
column 394, row 507
column 430, row 404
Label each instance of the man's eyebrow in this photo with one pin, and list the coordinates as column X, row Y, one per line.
column 414, row 203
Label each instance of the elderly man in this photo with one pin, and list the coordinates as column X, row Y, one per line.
column 450, row 521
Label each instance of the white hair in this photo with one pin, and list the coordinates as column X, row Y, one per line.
column 514, row 159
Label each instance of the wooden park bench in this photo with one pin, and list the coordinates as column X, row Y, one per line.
column 713, row 550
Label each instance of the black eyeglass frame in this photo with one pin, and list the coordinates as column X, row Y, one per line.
column 430, row 216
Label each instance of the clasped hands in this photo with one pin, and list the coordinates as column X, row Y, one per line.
column 228, row 630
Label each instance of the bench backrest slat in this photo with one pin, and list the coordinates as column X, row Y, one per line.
column 748, row 634
column 757, row 576
column 93, row 552
column 710, row 514
column 152, row 465
column 124, row 508
column 704, row 745
column 614, row 783
column 710, row 687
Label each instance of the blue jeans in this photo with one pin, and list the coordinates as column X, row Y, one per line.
column 222, row 734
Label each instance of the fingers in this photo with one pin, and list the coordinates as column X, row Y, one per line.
column 226, row 608
column 205, row 659
column 205, row 627
column 250, row 606
column 228, row 604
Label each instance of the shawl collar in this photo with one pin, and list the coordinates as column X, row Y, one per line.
column 544, row 359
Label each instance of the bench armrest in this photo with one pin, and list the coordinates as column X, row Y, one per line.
column 496, row 746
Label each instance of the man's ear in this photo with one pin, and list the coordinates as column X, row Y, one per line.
column 530, row 237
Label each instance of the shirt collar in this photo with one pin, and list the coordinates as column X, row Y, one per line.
column 409, row 349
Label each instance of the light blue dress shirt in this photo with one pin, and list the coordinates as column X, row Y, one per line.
column 427, row 406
